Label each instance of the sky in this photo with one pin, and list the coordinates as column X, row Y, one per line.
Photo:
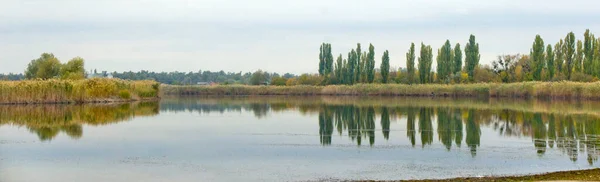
column 272, row 35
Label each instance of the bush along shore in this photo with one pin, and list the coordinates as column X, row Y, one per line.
column 76, row 91
column 552, row 90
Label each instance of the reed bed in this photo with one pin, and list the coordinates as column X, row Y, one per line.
column 76, row 91
column 554, row 90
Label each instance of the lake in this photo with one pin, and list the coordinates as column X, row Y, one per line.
column 296, row 139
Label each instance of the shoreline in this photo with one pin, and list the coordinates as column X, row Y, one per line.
column 95, row 101
column 574, row 175
column 521, row 90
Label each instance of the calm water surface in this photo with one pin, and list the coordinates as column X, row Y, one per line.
column 296, row 139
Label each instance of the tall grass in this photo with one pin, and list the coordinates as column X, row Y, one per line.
column 76, row 91
column 563, row 90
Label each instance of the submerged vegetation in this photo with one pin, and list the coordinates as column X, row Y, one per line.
column 562, row 90
column 76, row 91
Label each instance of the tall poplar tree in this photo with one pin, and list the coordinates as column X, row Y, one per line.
column 425, row 60
column 325, row 59
column 569, row 50
column 588, row 51
column 385, row 67
column 371, row 64
column 457, row 67
column 339, row 74
column 579, row 57
column 444, row 61
column 352, row 66
column 359, row 66
column 550, row 61
column 410, row 63
column 537, row 57
column 472, row 56
column 559, row 56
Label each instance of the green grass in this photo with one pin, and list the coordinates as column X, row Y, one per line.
column 563, row 90
column 76, row 91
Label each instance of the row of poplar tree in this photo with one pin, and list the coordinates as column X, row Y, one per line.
column 359, row 67
column 568, row 57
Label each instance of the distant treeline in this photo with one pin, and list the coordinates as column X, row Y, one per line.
column 190, row 78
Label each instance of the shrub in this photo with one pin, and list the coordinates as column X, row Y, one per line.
column 124, row 94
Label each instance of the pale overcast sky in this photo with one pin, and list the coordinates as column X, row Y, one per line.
column 273, row 35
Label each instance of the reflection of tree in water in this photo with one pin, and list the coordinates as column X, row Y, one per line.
column 425, row 126
column 47, row 121
column 572, row 134
column 385, row 123
column 449, row 127
column 473, row 132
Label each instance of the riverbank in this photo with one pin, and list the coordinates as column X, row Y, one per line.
column 96, row 90
column 579, row 175
column 554, row 90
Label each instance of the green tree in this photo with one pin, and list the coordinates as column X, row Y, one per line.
column 569, row 50
column 425, row 60
column 259, row 77
column 385, row 67
column 74, row 69
column 457, row 67
column 537, row 57
column 444, row 61
column 550, row 61
column 579, row 57
column 45, row 67
column 352, row 67
column 364, row 68
column 370, row 64
column 588, row 50
column 472, row 56
column 559, row 56
column 359, row 64
column 410, row 63
column 325, row 59
column 339, row 70
column 596, row 61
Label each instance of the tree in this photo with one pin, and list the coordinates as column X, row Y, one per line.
column 596, row 61
column 559, row 56
column 352, row 66
column 339, row 70
column 258, row 78
column 444, row 61
column 569, row 50
column 472, row 56
column 45, row 67
column 385, row 67
column 537, row 57
column 410, row 63
column 425, row 60
column 74, row 69
column 359, row 64
column 457, row 67
column 325, row 59
column 588, row 51
column 550, row 61
column 579, row 57
column 370, row 64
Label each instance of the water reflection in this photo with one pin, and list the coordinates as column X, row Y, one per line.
column 47, row 121
column 572, row 128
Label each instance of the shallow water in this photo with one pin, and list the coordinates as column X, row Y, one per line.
column 296, row 139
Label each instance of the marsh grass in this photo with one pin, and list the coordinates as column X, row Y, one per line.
column 553, row 90
column 76, row 91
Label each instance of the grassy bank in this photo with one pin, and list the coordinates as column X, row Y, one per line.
column 76, row 91
column 563, row 90
column 579, row 175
